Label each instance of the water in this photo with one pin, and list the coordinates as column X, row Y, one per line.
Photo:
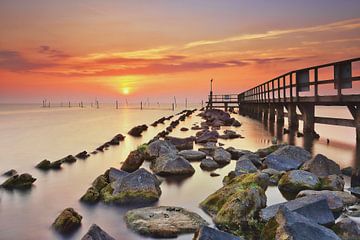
column 30, row 134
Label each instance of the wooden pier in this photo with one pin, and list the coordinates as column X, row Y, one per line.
column 300, row 89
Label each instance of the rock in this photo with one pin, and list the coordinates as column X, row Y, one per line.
column 207, row 233
column 209, row 164
column 163, row 221
column 263, row 152
column 208, row 148
column 44, row 164
column 207, row 136
column 22, row 181
column 347, row 171
column 236, row 123
column 103, row 147
column 229, row 134
column 254, row 158
column 117, row 139
column 184, row 129
column 133, row 161
column 159, row 147
column 321, row 166
column 96, row 233
column 347, row 229
column 171, row 164
column 91, row 196
column 244, row 166
column 137, row 131
column 237, row 153
column 355, row 191
column 181, row 143
column 138, row 187
column 312, row 207
column 292, row 182
column 68, row 221
column 221, row 156
column 213, row 174
column 332, row 182
column 287, row 158
column 274, row 175
column 100, row 182
column 291, row 225
column 10, row 173
column 192, row 155
column 352, row 211
column 336, row 199
column 116, row 175
column 68, row 159
column 82, row 155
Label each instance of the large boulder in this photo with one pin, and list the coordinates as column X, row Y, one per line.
column 221, row 156
column 289, row 225
column 137, row 131
column 244, row 166
column 336, row 199
column 192, row 155
column 133, row 161
column 274, row 175
column 347, row 229
column 22, row 181
column 313, row 207
column 163, row 221
column 287, row 158
column 332, row 182
column 237, row 153
column 207, row 136
column 207, row 233
column 181, row 143
column 254, row 158
column 68, row 221
column 140, row 186
column 159, row 147
column 116, row 175
column 292, row 182
column 171, row 164
column 96, row 233
column 263, row 152
column 321, row 166
column 91, row 196
column 208, row 164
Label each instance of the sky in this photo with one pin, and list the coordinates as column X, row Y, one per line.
column 79, row 50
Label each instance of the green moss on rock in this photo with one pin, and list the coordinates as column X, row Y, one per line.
column 19, row 181
column 92, row 195
column 67, row 221
column 100, row 182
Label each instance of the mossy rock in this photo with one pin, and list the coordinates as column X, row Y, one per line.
column 100, row 182
column 68, row 221
column 269, row 230
column 56, row 164
column 19, row 181
column 92, row 195
column 44, row 164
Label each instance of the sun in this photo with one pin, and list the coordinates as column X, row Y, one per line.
column 125, row 90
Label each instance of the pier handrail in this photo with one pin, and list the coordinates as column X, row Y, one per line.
column 267, row 92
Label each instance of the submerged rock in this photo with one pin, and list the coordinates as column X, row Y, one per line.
column 312, row 207
column 181, row 143
column 68, row 159
column 138, row 187
column 209, row 164
column 207, row 136
column 292, row 182
column 321, row 166
column 96, row 233
column 347, row 229
column 291, row 225
column 22, row 181
column 192, row 155
column 287, row 158
column 171, row 164
column 229, row 134
column 117, row 139
column 137, row 131
column 163, row 221
column 10, row 173
column 207, row 233
column 68, row 221
column 82, row 155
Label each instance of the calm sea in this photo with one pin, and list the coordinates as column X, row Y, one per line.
column 30, row 134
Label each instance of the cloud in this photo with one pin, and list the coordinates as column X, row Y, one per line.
column 14, row 61
column 52, row 53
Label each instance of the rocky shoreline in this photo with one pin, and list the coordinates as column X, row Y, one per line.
column 317, row 207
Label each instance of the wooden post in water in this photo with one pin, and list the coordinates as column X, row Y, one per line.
column 97, row 104
column 292, row 117
column 117, row 104
column 185, row 103
column 173, row 107
column 69, row 104
column 308, row 112
column 141, row 106
column 175, row 102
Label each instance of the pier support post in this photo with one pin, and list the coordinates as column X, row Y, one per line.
column 266, row 113
column 308, row 112
column 280, row 114
column 292, row 117
column 272, row 113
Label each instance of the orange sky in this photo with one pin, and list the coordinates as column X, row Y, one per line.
column 82, row 50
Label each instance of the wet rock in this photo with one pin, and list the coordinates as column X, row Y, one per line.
column 68, row 221
column 10, row 173
column 355, row 191
column 213, row 174
column 263, row 152
column 236, row 123
column 274, row 175
column 96, row 233
column 347, row 229
column 292, row 182
column 291, row 225
column 82, row 155
column 207, row 233
column 116, row 175
column 138, row 187
column 229, row 134
column 171, row 164
column 208, row 148
column 184, row 129
column 237, row 153
column 321, row 166
column 181, row 143
column 207, row 136
column 287, row 158
column 336, row 199
column 91, row 196
column 221, row 156
column 117, row 139
column 347, row 171
column 163, row 221
column 68, row 159
column 17, row 181
column 192, row 155
column 100, row 182
column 44, row 164
column 138, row 130
column 134, row 160
column 254, row 158
column 159, row 147
column 209, row 164
column 312, row 207
column 332, row 182
column 244, row 166
column 103, row 147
